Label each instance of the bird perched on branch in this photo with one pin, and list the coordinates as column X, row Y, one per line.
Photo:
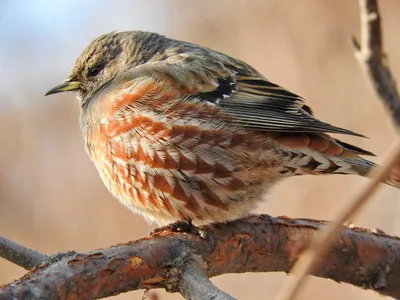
column 182, row 132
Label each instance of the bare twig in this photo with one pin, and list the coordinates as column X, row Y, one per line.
column 255, row 244
column 20, row 255
column 371, row 57
column 373, row 61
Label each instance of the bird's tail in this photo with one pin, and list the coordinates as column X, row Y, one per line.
column 363, row 167
column 348, row 161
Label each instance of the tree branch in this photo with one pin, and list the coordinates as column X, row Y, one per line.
column 373, row 61
column 20, row 255
column 255, row 244
column 195, row 285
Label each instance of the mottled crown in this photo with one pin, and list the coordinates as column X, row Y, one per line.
column 113, row 53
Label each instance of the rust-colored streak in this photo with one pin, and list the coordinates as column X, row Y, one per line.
column 119, row 150
column 153, row 199
column 142, row 94
column 165, row 201
column 147, row 185
column 158, row 128
column 177, row 131
column 162, row 184
column 294, row 141
column 334, row 149
column 130, row 98
column 121, row 170
column 101, row 131
column 170, row 162
column 158, row 162
column 141, row 198
column 318, row 143
column 140, row 178
column 325, row 144
column 115, row 128
column 185, row 164
column 140, row 154
column 179, row 194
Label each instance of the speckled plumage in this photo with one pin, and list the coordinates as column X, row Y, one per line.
column 178, row 131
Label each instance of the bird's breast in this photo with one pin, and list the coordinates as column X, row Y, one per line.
column 180, row 159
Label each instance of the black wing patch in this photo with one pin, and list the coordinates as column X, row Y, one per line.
column 261, row 105
column 226, row 87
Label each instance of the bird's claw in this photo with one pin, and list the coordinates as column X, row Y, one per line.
column 184, row 226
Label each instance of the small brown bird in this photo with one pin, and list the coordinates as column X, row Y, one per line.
column 182, row 132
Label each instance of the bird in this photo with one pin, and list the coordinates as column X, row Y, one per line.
column 181, row 132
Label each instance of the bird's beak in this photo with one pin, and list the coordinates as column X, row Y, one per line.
column 66, row 86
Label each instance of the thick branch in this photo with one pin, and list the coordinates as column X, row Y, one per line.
column 372, row 59
column 255, row 244
column 20, row 255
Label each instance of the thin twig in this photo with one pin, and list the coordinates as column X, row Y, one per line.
column 371, row 57
column 20, row 255
column 374, row 62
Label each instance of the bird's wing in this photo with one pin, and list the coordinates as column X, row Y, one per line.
column 254, row 102
column 261, row 105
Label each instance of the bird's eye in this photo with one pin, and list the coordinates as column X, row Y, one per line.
column 96, row 69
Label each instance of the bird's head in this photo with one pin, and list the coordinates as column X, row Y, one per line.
column 106, row 57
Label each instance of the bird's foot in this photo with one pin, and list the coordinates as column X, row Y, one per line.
column 185, row 226
column 179, row 226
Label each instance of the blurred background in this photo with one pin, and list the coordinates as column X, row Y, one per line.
column 51, row 197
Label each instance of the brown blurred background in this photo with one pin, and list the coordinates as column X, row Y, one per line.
column 51, row 197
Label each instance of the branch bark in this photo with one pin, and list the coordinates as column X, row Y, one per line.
column 255, row 244
column 195, row 285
